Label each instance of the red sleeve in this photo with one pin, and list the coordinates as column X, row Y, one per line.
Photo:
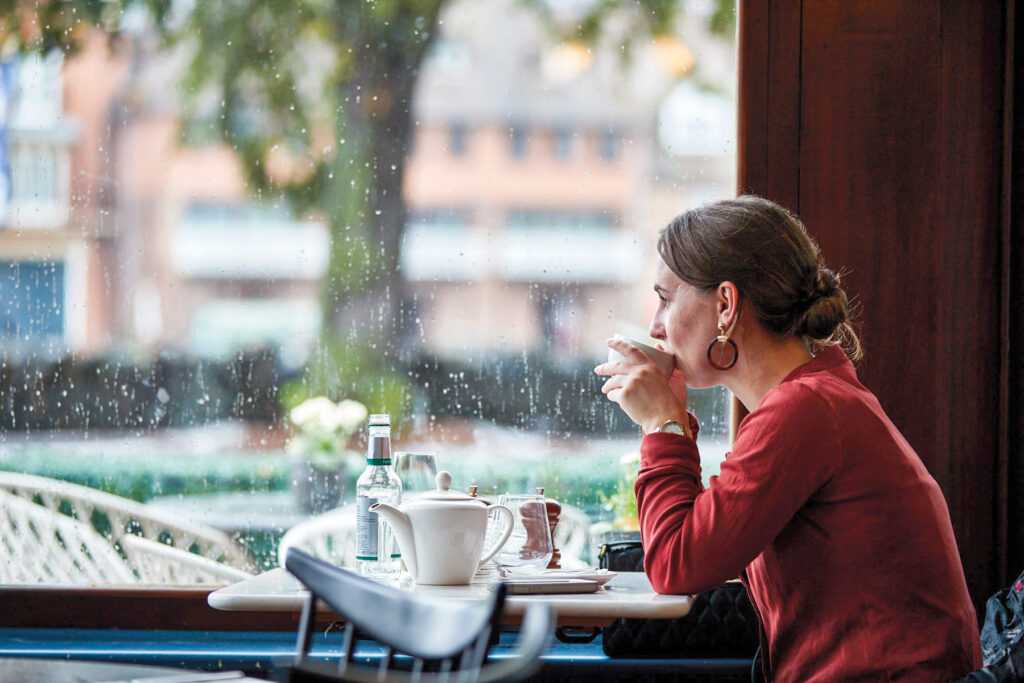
column 695, row 539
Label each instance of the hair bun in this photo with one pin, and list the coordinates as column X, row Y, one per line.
column 826, row 310
column 826, row 283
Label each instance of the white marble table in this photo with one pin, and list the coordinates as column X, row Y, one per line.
column 628, row 595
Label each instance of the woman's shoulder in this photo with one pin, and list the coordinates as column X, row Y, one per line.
column 807, row 395
column 794, row 430
column 800, row 404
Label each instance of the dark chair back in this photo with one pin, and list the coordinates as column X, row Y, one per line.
column 454, row 638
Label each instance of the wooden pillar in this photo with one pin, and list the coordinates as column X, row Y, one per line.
column 885, row 126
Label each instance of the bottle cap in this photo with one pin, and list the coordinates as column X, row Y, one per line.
column 380, row 420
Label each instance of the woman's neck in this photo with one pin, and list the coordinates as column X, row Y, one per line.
column 762, row 365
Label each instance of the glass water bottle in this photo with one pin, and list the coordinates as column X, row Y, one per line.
column 377, row 552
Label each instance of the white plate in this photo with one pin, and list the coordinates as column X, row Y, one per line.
column 599, row 576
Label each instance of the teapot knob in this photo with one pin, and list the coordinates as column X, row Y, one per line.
column 444, row 480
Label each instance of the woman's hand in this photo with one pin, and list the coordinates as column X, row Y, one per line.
column 647, row 396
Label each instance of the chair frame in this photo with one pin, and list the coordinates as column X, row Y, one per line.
column 125, row 514
column 365, row 605
column 161, row 564
column 323, row 536
column 61, row 549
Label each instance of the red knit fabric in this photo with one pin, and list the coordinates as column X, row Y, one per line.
column 841, row 536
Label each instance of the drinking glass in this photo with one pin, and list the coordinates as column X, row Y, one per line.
column 418, row 471
column 530, row 545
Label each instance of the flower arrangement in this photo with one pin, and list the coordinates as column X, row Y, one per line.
column 323, row 428
column 319, row 447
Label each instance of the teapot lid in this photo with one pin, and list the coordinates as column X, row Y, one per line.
column 444, row 493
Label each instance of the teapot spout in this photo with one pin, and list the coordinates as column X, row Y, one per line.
column 402, row 529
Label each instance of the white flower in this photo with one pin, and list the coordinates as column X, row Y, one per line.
column 350, row 415
column 321, row 414
column 312, row 412
column 346, row 416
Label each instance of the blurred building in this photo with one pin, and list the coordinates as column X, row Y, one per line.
column 45, row 263
column 205, row 269
column 539, row 175
column 542, row 172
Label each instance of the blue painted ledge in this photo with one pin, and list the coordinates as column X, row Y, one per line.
column 258, row 652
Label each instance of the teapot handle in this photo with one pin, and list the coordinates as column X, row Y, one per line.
column 509, row 523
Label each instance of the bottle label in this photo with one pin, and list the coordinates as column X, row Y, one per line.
column 366, row 529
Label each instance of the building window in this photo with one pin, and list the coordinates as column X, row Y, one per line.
column 517, row 142
column 563, row 143
column 441, row 217
column 554, row 219
column 608, row 145
column 435, row 243
column 39, row 99
column 34, row 174
column 457, row 133
column 31, row 299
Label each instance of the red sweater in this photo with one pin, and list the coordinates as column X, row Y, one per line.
column 841, row 536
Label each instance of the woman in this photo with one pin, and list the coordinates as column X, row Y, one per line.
column 841, row 537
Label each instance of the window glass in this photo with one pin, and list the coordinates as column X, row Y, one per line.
column 457, row 133
column 608, row 145
column 566, row 219
column 32, row 295
column 218, row 253
column 563, row 138
column 518, row 140
column 34, row 174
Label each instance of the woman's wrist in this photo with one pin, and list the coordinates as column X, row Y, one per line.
column 682, row 419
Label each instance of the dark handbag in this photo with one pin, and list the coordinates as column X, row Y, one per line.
column 721, row 622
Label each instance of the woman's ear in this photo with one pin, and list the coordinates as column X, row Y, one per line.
column 728, row 305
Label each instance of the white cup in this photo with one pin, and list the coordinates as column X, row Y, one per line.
column 664, row 361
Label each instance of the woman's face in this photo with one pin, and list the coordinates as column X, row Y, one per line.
column 686, row 322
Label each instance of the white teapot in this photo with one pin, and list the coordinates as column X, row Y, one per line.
column 441, row 534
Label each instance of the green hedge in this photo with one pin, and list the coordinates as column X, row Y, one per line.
column 581, row 481
column 141, row 477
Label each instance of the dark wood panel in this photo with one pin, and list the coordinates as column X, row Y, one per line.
column 900, row 154
column 1002, row 475
column 769, row 89
column 164, row 608
column 768, row 149
column 130, row 608
column 1014, row 308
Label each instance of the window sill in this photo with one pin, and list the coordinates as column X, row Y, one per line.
column 130, row 608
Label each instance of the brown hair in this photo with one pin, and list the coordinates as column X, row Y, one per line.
column 766, row 252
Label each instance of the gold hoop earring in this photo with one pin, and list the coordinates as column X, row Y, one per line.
column 722, row 352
